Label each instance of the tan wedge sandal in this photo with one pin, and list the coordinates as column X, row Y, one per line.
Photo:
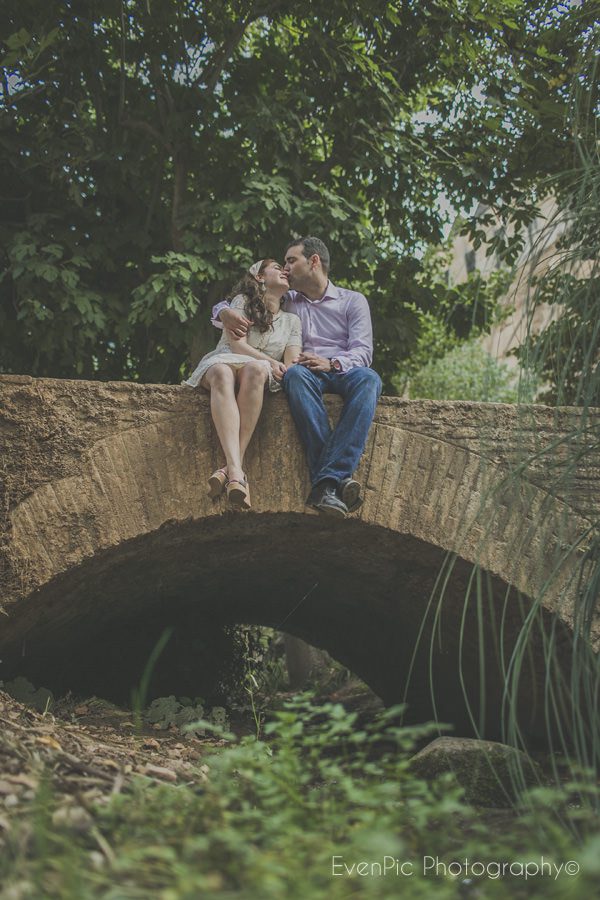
column 216, row 483
column 238, row 493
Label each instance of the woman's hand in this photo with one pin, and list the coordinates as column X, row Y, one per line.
column 278, row 369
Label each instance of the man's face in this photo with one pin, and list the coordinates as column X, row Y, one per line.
column 297, row 267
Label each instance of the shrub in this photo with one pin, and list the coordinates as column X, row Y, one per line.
column 467, row 372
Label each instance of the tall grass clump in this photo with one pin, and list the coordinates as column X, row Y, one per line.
column 563, row 280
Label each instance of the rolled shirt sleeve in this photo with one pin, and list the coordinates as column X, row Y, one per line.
column 238, row 302
column 360, row 335
column 215, row 313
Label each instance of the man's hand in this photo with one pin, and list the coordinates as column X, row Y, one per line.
column 235, row 322
column 313, row 362
column 278, row 369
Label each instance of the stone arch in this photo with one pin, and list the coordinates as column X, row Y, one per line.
column 133, row 482
column 138, row 493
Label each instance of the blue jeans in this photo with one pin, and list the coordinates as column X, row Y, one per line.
column 332, row 454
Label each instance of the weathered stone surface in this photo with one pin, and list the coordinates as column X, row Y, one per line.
column 490, row 773
column 107, row 535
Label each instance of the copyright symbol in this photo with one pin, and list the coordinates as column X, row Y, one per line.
column 572, row 867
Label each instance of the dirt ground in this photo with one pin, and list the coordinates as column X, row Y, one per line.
column 87, row 752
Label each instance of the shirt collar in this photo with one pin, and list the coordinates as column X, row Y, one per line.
column 331, row 293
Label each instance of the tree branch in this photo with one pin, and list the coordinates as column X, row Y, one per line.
column 214, row 68
column 211, row 73
column 140, row 125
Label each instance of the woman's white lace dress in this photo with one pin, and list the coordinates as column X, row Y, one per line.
column 286, row 331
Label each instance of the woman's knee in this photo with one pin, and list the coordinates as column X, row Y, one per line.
column 219, row 376
column 253, row 373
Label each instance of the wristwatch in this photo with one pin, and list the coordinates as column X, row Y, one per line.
column 335, row 365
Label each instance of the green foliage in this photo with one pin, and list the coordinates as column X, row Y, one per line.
column 434, row 368
column 467, row 372
column 566, row 352
column 185, row 714
column 271, row 820
column 153, row 149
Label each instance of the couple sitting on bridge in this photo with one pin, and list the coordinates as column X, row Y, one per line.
column 291, row 326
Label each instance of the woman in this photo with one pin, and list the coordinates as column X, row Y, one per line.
column 238, row 370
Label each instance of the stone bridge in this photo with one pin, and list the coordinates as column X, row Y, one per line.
column 470, row 543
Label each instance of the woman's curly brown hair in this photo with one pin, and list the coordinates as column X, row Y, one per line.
column 255, row 308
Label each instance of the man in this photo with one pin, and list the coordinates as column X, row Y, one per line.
column 337, row 340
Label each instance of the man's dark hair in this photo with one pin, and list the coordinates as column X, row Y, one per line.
column 310, row 246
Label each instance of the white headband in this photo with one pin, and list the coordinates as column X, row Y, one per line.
column 255, row 268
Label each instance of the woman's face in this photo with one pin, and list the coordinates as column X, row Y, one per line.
column 274, row 277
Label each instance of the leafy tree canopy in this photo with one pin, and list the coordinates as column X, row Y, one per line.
column 153, row 148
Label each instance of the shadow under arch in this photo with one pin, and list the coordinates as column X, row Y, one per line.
column 363, row 592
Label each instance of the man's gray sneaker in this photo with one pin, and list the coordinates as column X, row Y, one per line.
column 324, row 498
column 349, row 493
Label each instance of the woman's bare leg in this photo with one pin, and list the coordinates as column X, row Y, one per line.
column 251, row 379
column 220, row 380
